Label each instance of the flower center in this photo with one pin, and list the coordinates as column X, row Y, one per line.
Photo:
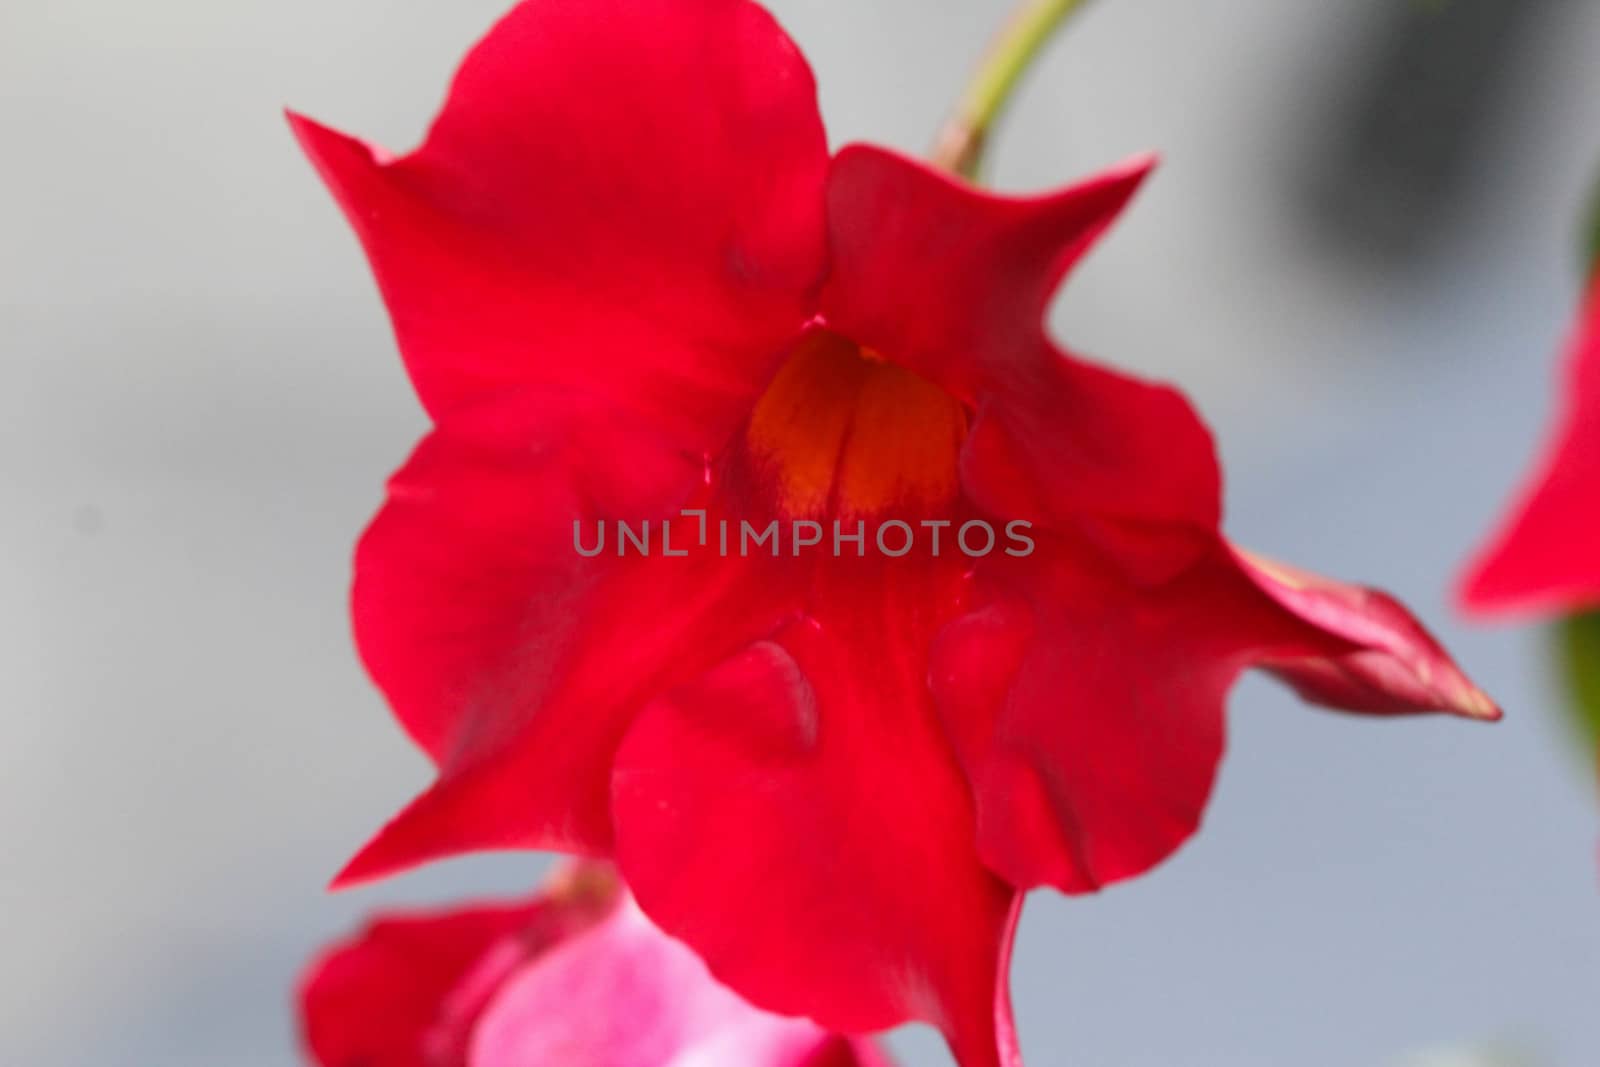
column 840, row 432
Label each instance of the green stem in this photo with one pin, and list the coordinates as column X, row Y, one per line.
column 961, row 142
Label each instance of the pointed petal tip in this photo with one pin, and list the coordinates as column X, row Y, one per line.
column 309, row 134
column 1474, row 703
column 393, row 849
column 1136, row 168
column 1107, row 192
column 358, row 871
column 1114, row 188
column 339, row 157
column 308, row 131
column 1398, row 666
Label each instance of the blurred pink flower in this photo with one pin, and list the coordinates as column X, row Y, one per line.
column 577, row 977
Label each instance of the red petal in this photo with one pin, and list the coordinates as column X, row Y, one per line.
column 1085, row 697
column 797, row 816
column 1088, row 711
column 953, row 283
column 408, row 989
column 623, row 198
column 1546, row 556
column 514, row 661
column 1087, row 703
column 467, row 560
column 1391, row 665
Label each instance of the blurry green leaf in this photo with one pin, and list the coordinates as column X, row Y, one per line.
column 1592, row 235
column 1580, row 659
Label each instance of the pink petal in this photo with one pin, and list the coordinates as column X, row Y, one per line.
column 626, row 995
column 407, row 990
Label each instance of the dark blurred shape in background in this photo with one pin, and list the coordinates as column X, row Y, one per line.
column 1407, row 120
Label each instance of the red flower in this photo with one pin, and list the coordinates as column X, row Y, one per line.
column 627, row 279
column 577, row 976
column 1545, row 558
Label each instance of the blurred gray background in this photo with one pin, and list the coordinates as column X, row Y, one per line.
column 1358, row 257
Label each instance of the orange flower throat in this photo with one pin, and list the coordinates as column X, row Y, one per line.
column 842, row 433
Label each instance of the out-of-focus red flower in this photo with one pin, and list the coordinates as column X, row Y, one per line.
column 1545, row 556
column 628, row 279
column 576, row 977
